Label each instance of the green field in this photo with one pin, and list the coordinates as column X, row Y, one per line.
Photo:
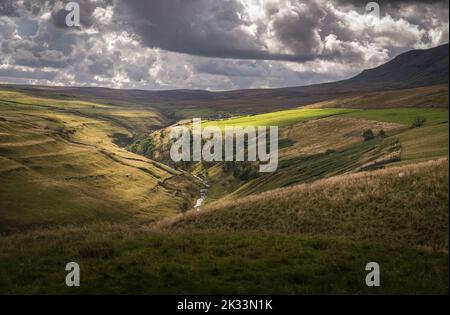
column 284, row 118
column 281, row 118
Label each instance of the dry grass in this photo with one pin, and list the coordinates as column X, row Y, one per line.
column 316, row 136
column 429, row 96
column 61, row 166
column 402, row 205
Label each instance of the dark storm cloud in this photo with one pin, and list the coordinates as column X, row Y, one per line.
column 207, row 28
column 20, row 73
column 87, row 9
column 298, row 28
column 57, row 7
column 201, row 27
column 8, row 8
column 198, row 26
column 238, row 68
column 214, row 28
column 45, row 48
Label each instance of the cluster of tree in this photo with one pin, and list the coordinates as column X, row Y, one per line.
column 242, row 170
column 368, row 134
column 220, row 115
column 144, row 147
column 158, row 150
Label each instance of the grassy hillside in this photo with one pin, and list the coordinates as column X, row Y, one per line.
column 318, row 143
column 309, row 168
column 330, row 133
column 435, row 96
column 289, row 117
column 398, row 206
column 307, row 239
column 424, row 143
column 414, row 68
column 310, row 150
column 60, row 165
column 401, row 115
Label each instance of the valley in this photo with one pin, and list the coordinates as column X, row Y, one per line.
column 86, row 176
column 60, row 166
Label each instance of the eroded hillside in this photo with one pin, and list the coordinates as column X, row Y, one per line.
column 60, row 165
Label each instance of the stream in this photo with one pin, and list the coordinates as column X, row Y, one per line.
column 203, row 193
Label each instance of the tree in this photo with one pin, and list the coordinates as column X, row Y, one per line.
column 419, row 121
column 368, row 135
column 184, row 206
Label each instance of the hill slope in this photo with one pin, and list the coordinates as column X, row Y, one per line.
column 60, row 164
column 405, row 205
column 417, row 68
column 411, row 69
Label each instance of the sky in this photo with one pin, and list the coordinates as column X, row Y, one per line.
column 209, row 44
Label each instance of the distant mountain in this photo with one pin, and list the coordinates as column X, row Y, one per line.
column 412, row 69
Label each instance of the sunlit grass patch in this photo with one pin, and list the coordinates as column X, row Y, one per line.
column 281, row 118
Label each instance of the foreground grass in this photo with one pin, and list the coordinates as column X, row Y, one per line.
column 119, row 260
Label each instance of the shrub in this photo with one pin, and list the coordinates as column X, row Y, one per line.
column 381, row 133
column 419, row 121
column 245, row 170
column 184, row 206
column 368, row 135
